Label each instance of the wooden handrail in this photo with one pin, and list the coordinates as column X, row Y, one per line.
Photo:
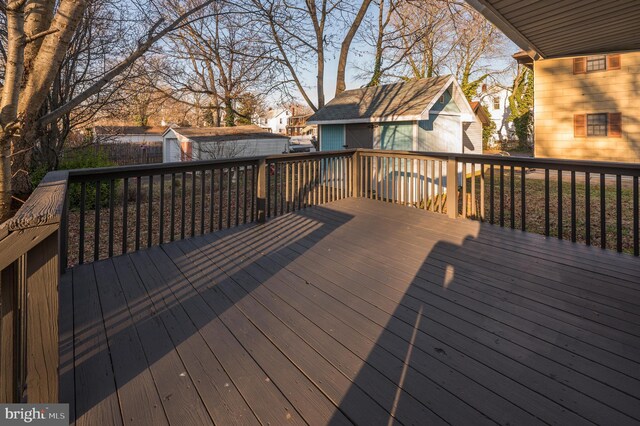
column 606, row 167
column 29, row 275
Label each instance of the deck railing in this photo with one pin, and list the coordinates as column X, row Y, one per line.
column 302, row 180
column 29, row 273
column 116, row 210
column 583, row 201
column 79, row 216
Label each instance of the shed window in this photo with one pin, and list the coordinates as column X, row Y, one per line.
column 496, row 103
column 596, row 124
column 596, row 63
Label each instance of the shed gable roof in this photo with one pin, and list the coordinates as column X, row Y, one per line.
column 129, row 130
column 399, row 100
column 226, row 134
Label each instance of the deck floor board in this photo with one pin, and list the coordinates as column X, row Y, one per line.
column 354, row 312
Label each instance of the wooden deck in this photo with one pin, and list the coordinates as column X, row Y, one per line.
column 355, row 312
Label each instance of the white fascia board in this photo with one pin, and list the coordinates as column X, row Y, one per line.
column 466, row 112
column 169, row 130
column 368, row 120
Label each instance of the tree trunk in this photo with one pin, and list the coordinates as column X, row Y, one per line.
column 38, row 16
column 346, row 44
column 50, row 56
column 5, row 181
column 320, row 78
column 230, row 115
column 377, row 63
column 10, row 96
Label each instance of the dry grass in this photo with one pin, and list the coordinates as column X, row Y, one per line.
column 535, row 208
column 187, row 221
column 221, row 213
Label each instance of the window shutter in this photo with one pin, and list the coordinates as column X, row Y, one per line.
column 580, row 125
column 580, row 65
column 615, row 125
column 613, row 62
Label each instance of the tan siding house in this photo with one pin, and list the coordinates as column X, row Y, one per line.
column 588, row 107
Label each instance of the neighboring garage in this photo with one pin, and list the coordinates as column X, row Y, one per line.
column 209, row 143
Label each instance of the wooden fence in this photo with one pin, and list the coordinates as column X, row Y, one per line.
column 125, row 154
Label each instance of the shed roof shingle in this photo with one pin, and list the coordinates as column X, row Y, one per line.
column 130, row 130
column 221, row 134
column 408, row 98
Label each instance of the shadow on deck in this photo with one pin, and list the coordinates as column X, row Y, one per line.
column 354, row 312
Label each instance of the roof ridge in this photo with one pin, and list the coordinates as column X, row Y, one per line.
column 436, row 77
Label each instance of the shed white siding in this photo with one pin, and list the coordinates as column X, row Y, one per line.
column 472, row 137
column 441, row 133
column 240, row 148
column 170, row 150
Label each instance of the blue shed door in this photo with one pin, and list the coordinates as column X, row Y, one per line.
column 331, row 137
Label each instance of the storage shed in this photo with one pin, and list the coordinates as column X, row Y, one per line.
column 429, row 114
column 208, row 143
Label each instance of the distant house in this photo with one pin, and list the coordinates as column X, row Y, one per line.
column 430, row 114
column 297, row 126
column 128, row 134
column 207, row 143
column 473, row 130
column 274, row 120
column 496, row 100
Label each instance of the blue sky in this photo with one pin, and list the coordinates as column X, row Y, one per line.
column 309, row 77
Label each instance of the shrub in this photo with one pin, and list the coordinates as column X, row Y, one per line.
column 87, row 159
column 37, row 174
column 487, row 133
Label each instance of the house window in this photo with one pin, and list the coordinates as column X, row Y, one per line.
column 496, row 103
column 596, row 124
column 585, row 64
column 596, row 63
column 281, row 121
column 600, row 125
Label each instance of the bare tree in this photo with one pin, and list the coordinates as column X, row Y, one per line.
column 225, row 62
column 478, row 42
column 94, row 46
column 44, row 34
column 298, row 33
column 420, row 39
column 346, row 44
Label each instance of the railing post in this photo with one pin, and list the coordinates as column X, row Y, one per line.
column 8, row 310
column 355, row 175
column 43, row 272
column 261, row 193
column 452, row 187
column 30, row 263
